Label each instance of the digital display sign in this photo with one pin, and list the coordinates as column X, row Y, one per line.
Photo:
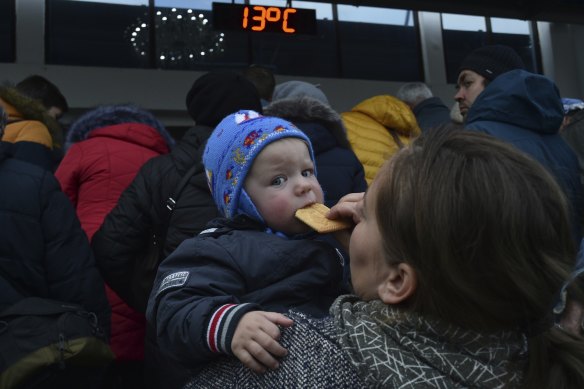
column 259, row 18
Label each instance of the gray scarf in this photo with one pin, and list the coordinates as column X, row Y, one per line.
column 397, row 349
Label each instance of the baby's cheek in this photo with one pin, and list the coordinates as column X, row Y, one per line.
column 283, row 206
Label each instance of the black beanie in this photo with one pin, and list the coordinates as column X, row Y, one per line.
column 492, row 61
column 217, row 94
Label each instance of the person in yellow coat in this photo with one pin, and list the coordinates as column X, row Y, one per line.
column 377, row 128
column 34, row 133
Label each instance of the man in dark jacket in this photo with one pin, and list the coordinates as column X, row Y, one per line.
column 429, row 110
column 573, row 129
column 498, row 97
column 120, row 245
column 44, row 251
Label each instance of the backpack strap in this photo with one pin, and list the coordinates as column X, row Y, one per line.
column 171, row 203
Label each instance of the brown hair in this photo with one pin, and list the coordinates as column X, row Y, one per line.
column 487, row 230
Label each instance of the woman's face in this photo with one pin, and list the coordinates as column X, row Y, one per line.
column 369, row 269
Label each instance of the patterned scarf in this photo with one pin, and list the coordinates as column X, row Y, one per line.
column 392, row 348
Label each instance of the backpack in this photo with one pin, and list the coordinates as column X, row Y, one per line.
column 48, row 343
column 144, row 272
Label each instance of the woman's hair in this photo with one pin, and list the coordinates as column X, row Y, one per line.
column 487, row 231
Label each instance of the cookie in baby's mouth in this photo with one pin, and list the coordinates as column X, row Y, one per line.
column 315, row 217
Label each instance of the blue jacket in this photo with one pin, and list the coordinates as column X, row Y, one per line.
column 209, row 282
column 525, row 109
column 43, row 250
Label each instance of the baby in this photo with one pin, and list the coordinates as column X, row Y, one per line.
column 224, row 291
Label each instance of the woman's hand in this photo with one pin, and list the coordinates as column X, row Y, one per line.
column 346, row 208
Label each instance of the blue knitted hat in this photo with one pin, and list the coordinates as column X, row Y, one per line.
column 229, row 154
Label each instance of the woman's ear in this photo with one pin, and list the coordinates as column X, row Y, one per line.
column 400, row 284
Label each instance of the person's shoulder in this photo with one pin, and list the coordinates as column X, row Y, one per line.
column 20, row 167
column 434, row 102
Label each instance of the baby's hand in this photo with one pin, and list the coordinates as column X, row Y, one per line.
column 255, row 341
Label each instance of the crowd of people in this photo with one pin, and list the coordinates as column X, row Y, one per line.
column 462, row 265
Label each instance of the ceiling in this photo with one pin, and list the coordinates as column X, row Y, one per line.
column 560, row 11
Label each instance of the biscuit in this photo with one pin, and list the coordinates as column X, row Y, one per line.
column 315, row 217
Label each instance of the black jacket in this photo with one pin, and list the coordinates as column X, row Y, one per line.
column 236, row 262
column 431, row 113
column 338, row 170
column 43, row 250
column 127, row 230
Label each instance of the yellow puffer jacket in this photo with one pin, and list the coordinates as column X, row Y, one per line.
column 28, row 120
column 369, row 128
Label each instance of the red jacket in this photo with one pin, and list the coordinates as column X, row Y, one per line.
column 93, row 174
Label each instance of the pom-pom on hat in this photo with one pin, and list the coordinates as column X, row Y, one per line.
column 230, row 152
column 492, row 61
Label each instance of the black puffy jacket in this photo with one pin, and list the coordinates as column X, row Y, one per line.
column 43, row 250
column 127, row 230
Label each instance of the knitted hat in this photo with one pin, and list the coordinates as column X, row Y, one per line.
column 216, row 94
column 230, row 152
column 492, row 61
column 294, row 89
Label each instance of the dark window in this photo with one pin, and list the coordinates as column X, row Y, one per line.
column 308, row 55
column 366, row 42
column 7, row 30
column 94, row 34
column 379, row 44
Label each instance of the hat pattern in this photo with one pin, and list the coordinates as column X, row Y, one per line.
column 230, row 152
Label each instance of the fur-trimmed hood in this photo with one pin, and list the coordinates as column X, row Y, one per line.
column 21, row 107
column 111, row 115
column 307, row 109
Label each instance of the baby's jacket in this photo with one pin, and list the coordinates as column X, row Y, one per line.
column 210, row 281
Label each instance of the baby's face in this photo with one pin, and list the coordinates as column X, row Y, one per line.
column 280, row 181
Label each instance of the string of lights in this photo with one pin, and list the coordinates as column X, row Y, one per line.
column 183, row 37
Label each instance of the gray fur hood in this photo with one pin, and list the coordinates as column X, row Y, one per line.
column 310, row 110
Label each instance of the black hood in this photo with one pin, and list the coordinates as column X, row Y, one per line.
column 218, row 94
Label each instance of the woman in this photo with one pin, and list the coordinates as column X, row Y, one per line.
column 454, row 281
column 106, row 148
